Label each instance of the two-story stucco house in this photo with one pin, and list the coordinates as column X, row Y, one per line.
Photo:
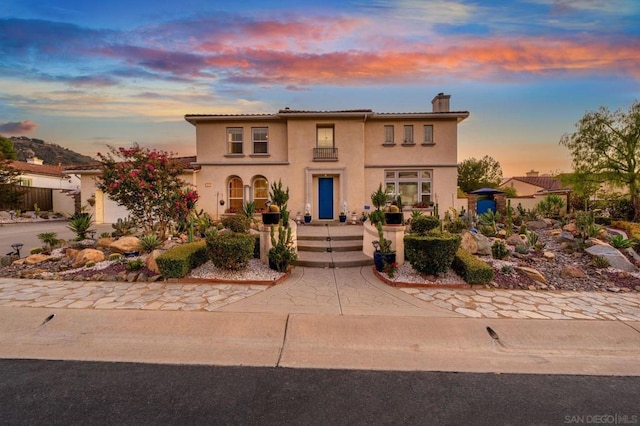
column 328, row 159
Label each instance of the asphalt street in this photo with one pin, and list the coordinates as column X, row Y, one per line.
column 68, row 392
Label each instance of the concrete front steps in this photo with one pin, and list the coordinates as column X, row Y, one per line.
column 331, row 246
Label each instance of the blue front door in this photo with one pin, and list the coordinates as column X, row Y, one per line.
column 325, row 198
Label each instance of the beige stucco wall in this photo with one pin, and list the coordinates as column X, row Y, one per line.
column 361, row 161
column 523, row 189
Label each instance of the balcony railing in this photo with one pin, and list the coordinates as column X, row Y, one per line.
column 325, row 154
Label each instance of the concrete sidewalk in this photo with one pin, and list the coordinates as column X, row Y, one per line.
column 323, row 341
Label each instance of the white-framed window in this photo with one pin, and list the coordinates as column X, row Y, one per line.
column 235, row 195
column 24, row 182
column 260, row 192
column 428, row 135
column 260, row 139
column 414, row 186
column 388, row 135
column 234, row 140
column 408, row 134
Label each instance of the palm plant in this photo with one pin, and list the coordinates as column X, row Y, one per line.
column 49, row 238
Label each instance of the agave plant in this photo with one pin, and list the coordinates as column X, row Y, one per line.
column 80, row 224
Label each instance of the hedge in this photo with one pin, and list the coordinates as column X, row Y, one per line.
column 472, row 269
column 231, row 251
column 431, row 254
column 178, row 261
column 423, row 224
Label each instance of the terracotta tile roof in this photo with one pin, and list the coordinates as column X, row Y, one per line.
column 345, row 111
column 38, row 169
column 180, row 162
column 547, row 183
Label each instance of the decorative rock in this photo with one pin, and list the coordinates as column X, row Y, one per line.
column 555, row 232
column 570, row 271
column 515, row 239
column 125, row 244
column 566, row 236
column 548, row 255
column 476, row 243
column 151, row 261
column 104, row 242
column 132, row 276
column 36, row 258
column 570, row 227
column 88, row 255
column 532, row 273
column 616, row 259
column 536, row 224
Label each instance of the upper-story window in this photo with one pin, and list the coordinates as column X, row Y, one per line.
column 408, row 134
column 428, row 135
column 388, row 135
column 260, row 136
column 325, row 136
column 234, row 140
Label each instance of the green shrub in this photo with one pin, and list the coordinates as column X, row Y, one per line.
column 123, row 227
column 600, row 262
column 105, row 235
column 472, row 269
column 134, row 265
column 36, row 250
column 431, row 254
column 49, row 238
column 236, row 223
column 178, row 261
column 230, row 251
column 116, row 257
column 522, row 248
column 602, row 220
column 282, row 253
column 423, row 224
column 499, row 250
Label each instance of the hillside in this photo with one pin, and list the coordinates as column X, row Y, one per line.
column 50, row 153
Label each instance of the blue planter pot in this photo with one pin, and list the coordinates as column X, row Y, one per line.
column 379, row 259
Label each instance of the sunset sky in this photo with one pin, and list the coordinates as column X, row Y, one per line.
column 86, row 74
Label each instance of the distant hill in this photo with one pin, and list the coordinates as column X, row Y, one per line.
column 50, row 153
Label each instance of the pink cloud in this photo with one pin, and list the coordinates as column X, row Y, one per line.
column 18, row 127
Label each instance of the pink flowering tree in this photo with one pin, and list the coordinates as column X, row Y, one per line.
column 147, row 183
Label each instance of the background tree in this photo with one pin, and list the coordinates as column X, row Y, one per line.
column 147, row 183
column 7, row 149
column 607, row 144
column 475, row 174
column 10, row 193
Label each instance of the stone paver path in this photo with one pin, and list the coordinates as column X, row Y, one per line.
column 121, row 295
column 534, row 304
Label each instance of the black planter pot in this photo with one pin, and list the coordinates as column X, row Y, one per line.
column 393, row 218
column 307, row 219
column 379, row 259
column 343, row 218
column 271, row 218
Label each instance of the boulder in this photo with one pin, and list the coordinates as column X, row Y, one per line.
column 88, row 255
column 151, row 261
column 566, row 236
column 125, row 244
column 36, row 258
column 571, row 228
column 71, row 253
column 616, row 259
column 536, row 225
column 534, row 274
column 570, row 271
column 476, row 243
column 516, row 239
column 104, row 242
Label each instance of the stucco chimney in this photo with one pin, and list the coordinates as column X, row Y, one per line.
column 441, row 103
column 532, row 173
column 35, row 160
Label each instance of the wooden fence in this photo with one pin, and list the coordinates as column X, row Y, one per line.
column 43, row 197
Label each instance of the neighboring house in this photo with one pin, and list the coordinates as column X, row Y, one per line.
column 534, row 184
column 35, row 174
column 532, row 188
column 327, row 159
column 104, row 209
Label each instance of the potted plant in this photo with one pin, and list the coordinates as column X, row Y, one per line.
column 272, row 216
column 383, row 253
column 343, row 217
column 393, row 215
column 307, row 216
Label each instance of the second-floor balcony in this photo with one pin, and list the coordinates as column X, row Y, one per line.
column 325, row 154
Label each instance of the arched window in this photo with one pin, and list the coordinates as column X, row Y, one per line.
column 260, row 192
column 235, row 195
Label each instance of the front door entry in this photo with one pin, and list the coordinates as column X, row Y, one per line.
column 325, row 198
